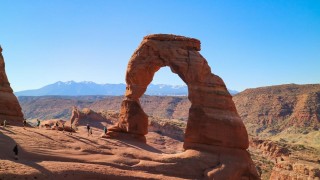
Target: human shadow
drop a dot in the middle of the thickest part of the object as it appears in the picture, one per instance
(43, 135)
(87, 139)
(7, 129)
(78, 138)
(134, 143)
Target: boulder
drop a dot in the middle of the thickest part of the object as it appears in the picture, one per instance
(88, 116)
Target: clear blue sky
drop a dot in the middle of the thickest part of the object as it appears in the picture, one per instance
(249, 43)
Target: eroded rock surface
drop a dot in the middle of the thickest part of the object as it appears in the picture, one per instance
(269, 148)
(213, 118)
(213, 124)
(10, 109)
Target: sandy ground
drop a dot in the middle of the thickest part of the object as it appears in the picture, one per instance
(51, 154)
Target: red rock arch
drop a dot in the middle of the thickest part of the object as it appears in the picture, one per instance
(213, 118)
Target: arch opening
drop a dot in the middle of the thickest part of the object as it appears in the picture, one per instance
(169, 83)
(167, 111)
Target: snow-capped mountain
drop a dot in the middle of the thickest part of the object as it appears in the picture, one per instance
(72, 88)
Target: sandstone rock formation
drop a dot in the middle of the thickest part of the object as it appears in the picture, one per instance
(10, 109)
(269, 148)
(213, 118)
(50, 124)
(213, 122)
(87, 116)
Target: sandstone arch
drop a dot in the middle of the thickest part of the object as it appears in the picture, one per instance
(213, 118)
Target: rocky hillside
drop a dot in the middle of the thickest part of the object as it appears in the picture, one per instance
(57, 107)
(53, 107)
(266, 110)
(273, 109)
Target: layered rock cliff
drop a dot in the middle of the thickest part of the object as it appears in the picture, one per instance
(273, 109)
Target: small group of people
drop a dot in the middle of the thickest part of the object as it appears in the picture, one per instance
(89, 130)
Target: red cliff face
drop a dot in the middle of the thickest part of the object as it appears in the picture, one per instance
(10, 109)
(213, 124)
(280, 107)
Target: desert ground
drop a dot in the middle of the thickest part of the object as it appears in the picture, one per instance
(52, 154)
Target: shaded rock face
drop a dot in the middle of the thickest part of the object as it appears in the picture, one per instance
(10, 109)
(213, 118)
(87, 116)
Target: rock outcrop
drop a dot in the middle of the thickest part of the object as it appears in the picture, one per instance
(295, 170)
(87, 116)
(10, 109)
(213, 124)
(52, 124)
(269, 148)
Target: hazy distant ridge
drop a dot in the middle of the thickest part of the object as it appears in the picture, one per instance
(72, 88)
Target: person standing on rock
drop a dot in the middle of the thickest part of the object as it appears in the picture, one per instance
(105, 130)
(5, 123)
(88, 129)
(24, 123)
(57, 125)
(70, 129)
(38, 123)
(16, 151)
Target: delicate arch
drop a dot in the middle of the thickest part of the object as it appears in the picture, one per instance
(213, 118)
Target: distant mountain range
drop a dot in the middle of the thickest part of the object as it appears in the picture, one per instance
(72, 88)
